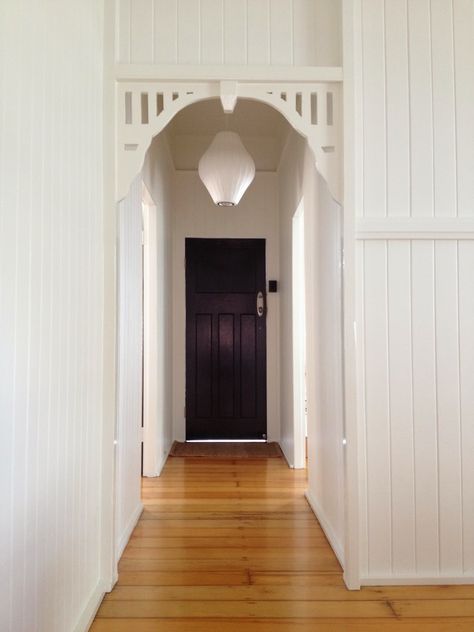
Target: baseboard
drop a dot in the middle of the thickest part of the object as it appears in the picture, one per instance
(132, 523)
(161, 464)
(91, 607)
(164, 458)
(326, 527)
(416, 580)
(285, 456)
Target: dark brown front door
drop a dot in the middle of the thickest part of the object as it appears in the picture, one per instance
(225, 339)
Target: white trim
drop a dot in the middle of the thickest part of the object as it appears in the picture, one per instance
(132, 523)
(415, 228)
(159, 465)
(282, 447)
(150, 284)
(299, 336)
(352, 200)
(333, 540)
(90, 609)
(108, 562)
(417, 580)
(157, 72)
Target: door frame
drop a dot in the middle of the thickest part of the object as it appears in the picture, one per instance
(119, 170)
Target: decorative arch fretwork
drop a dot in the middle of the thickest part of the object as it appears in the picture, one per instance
(144, 109)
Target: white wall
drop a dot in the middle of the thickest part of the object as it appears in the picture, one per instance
(195, 215)
(414, 95)
(237, 32)
(298, 180)
(129, 366)
(158, 174)
(51, 287)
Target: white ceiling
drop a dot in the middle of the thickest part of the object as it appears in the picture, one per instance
(262, 129)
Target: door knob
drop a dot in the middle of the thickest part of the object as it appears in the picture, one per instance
(260, 304)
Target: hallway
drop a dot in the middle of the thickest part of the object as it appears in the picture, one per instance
(226, 545)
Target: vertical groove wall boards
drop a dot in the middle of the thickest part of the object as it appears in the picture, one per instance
(165, 32)
(235, 32)
(444, 113)
(418, 90)
(400, 380)
(425, 414)
(419, 379)
(397, 109)
(129, 374)
(374, 108)
(421, 109)
(464, 98)
(212, 32)
(414, 291)
(51, 293)
(466, 370)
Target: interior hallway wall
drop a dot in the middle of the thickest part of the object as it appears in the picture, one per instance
(129, 365)
(231, 32)
(195, 215)
(158, 176)
(51, 313)
(414, 90)
(298, 180)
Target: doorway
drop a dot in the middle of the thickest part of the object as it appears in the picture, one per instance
(225, 339)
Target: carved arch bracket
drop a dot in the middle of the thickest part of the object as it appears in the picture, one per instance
(144, 109)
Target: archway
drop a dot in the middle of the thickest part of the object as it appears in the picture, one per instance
(299, 107)
(145, 109)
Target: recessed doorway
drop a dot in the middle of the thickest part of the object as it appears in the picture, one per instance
(225, 339)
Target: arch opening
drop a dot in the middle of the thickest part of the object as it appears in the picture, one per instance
(313, 110)
(286, 177)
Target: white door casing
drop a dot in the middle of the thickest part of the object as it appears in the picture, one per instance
(314, 108)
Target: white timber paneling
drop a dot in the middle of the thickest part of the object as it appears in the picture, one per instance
(212, 40)
(158, 176)
(165, 30)
(232, 32)
(141, 30)
(418, 380)
(258, 32)
(418, 90)
(415, 325)
(466, 397)
(300, 184)
(51, 314)
(463, 19)
(129, 366)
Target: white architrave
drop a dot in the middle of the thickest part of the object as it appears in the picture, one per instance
(145, 108)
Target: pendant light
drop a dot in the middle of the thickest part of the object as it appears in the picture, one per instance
(226, 169)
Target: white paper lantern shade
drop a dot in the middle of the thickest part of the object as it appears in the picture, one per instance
(226, 169)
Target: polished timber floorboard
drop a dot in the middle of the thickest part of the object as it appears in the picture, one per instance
(231, 545)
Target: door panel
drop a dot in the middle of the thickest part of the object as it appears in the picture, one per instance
(225, 339)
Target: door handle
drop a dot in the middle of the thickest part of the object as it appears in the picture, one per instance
(260, 304)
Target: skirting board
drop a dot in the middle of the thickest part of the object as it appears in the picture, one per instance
(90, 609)
(161, 464)
(404, 580)
(282, 446)
(326, 527)
(132, 523)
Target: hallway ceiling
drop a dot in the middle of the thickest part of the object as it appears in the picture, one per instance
(262, 129)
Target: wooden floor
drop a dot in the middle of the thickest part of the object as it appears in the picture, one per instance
(227, 545)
